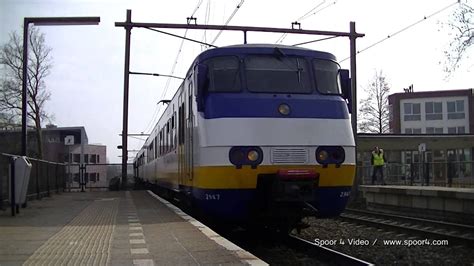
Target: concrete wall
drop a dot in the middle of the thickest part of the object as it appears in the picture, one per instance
(451, 204)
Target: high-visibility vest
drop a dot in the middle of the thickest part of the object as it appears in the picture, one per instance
(378, 158)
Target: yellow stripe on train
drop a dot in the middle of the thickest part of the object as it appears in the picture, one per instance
(228, 177)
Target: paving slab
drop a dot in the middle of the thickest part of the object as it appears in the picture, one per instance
(111, 228)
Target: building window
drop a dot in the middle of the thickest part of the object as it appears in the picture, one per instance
(434, 110)
(93, 158)
(456, 130)
(76, 177)
(456, 110)
(434, 130)
(98, 177)
(92, 177)
(412, 130)
(76, 158)
(86, 158)
(98, 158)
(412, 111)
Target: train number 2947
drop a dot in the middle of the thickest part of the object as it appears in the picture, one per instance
(213, 196)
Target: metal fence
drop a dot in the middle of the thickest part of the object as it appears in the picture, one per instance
(455, 174)
(95, 176)
(45, 178)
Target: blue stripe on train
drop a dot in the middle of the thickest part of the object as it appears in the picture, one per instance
(235, 204)
(218, 105)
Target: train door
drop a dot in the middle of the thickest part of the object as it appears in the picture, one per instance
(189, 131)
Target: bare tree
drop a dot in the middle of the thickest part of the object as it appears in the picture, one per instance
(39, 65)
(462, 24)
(374, 111)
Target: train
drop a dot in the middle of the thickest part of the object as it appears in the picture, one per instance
(256, 133)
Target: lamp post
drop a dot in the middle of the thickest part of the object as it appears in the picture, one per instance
(42, 21)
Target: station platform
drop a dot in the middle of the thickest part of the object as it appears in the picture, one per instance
(445, 203)
(111, 228)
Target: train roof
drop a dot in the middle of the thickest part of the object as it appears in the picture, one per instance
(262, 49)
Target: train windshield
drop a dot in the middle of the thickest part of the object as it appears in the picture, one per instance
(224, 74)
(326, 75)
(277, 74)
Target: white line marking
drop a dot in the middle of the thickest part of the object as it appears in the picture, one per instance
(143, 262)
(137, 228)
(139, 251)
(134, 224)
(137, 241)
(136, 234)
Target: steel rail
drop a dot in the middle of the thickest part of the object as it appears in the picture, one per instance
(456, 226)
(419, 228)
(324, 253)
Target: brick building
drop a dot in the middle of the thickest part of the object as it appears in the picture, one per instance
(55, 150)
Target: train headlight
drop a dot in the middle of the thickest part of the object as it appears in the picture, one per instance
(284, 109)
(330, 155)
(246, 155)
(252, 155)
(237, 156)
(322, 156)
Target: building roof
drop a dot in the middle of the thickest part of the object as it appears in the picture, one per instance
(52, 129)
(431, 94)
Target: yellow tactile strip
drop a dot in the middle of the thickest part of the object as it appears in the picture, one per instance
(86, 240)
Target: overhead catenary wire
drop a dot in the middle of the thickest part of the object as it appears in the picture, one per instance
(179, 53)
(237, 8)
(168, 81)
(307, 15)
(206, 21)
(402, 30)
(134, 137)
(182, 37)
(283, 36)
(318, 40)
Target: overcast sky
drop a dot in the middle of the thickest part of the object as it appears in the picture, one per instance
(86, 81)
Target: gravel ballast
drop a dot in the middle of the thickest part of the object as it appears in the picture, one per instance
(384, 247)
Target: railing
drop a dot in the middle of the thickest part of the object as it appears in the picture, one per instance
(96, 176)
(45, 178)
(454, 173)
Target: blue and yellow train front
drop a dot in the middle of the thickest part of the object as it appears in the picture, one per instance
(310, 159)
(273, 134)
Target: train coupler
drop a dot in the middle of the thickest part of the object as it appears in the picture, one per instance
(294, 185)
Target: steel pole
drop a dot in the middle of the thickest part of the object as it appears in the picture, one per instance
(24, 97)
(126, 74)
(352, 38)
(353, 79)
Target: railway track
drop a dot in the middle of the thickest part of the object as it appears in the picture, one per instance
(330, 256)
(300, 249)
(457, 233)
